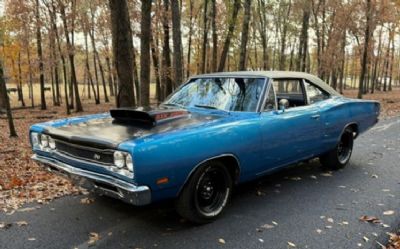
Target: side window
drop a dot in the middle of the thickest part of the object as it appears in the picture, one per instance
(314, 93)
(290, 89)
(270, 103)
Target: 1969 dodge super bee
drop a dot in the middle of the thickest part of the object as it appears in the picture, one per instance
(215, 131)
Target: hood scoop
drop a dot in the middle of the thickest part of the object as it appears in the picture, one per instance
(143, 117)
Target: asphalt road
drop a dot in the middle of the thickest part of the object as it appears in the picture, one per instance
(301, 205)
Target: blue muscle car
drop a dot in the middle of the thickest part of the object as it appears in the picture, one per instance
(215, 131)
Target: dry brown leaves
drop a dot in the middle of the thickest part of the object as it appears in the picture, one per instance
(394, 241)
(23, 181)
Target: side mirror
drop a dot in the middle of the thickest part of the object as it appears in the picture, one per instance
(283, 104)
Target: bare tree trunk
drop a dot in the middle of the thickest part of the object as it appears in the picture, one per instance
(20, 92)
(135, 74)
(386, 65)
(283, 39)
(245, 35)
(303, 46)
(122, 50)
(342, 60)
(145, 27)
(391, 61)
(110, 78)
(53, 19)
(156, 67)
(205, 35)
(177, 41)
(6, 101)
(39, 51)
(263, 32)
(231, 28)
(214, 36)
(89, 74)
(376, 62)
(364, 61)
(166, 61)
(190, 38)
(70, 46)
(28, 52)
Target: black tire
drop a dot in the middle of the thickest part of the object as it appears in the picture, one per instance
(204, 198)
(340, 155)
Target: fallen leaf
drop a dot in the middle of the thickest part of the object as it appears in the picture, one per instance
(21, 223)
(388, 212)
(87, 200)
(327, 174)
(261, 240)
(275, 223)
(371, 219)
(328, 227)
(374, 176)
(260, 193)
(4, 225)
(365, 239)
(93, 238)
(28, 209)
(31, 239)
(222, 241)
(291, 244)
(313, 177)
(267, 226)
(385, 190)
(319, 231)
(330, 220)
(295, 178)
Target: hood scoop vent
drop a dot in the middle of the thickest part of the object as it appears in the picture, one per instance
(150, 117)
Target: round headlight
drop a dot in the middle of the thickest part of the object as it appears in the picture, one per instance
(119, 159)
(129, 162)
(52, 143)
(44, 141)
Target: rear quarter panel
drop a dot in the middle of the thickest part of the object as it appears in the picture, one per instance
(339, 112)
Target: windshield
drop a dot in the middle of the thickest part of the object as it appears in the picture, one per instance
(228, 94)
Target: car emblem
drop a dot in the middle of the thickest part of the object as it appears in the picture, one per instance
(96, 156)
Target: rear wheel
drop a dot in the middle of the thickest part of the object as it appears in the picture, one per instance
(206, 194)
(340, 155)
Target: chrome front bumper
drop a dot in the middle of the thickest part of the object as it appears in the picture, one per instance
(98, 183)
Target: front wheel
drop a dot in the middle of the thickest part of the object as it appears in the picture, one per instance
(206, 194)
(340, 155)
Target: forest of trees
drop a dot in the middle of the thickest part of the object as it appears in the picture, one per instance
(140, 51)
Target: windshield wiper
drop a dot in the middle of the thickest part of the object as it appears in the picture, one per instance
(208, 107)
(173, 104)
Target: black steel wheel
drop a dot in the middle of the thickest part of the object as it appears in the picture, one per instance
(205, 196)
(340, 155)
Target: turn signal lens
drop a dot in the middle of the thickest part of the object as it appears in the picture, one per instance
(129, 162)
(52, 143)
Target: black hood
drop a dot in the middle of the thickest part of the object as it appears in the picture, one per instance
(125, 124)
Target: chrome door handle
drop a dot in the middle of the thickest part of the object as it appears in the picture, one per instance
(316, 116)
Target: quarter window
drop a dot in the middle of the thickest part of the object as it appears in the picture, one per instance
(314, 93)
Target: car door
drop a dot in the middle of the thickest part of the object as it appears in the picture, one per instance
(292, 134)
